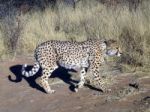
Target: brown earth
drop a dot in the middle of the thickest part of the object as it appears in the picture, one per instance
(129, 93)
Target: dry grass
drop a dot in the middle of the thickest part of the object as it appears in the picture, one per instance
(88, 20)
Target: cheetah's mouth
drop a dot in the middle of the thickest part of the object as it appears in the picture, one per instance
(113, 53)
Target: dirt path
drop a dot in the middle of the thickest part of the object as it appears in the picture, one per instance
(22, 95)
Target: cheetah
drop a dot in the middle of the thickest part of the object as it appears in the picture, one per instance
(80, 56)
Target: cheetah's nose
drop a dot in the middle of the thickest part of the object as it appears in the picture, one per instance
(119, 54)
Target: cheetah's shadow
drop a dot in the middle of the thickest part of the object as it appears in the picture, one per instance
(60, 73)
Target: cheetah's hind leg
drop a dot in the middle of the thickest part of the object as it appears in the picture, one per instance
(43, 80)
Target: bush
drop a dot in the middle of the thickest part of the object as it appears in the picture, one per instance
(90, 19)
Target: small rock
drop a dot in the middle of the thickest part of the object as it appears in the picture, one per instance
(31, 101)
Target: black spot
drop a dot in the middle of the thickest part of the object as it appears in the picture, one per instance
(134, 85)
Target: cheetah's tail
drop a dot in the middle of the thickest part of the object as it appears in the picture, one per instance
(32, 72)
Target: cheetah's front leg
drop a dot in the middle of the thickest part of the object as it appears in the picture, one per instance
(97, 80)
(82, 79)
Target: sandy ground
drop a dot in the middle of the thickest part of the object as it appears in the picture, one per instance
(130, 93)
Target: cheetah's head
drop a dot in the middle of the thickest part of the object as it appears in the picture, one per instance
(112, 48)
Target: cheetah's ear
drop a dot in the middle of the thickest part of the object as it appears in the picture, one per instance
(104, 45)
(109, 42)
(105, 41)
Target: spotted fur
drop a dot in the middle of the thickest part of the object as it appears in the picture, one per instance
(71, 55)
